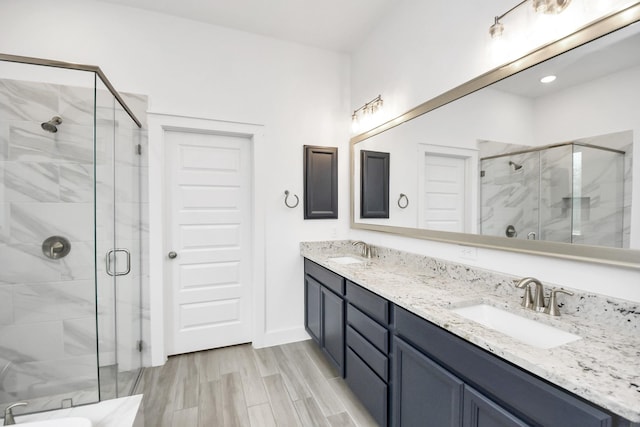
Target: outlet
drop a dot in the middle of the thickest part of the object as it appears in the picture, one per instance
(469, 253)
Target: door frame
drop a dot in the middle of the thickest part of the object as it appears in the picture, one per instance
(159, 235)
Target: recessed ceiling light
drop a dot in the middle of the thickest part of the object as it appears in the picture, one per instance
(547, 79)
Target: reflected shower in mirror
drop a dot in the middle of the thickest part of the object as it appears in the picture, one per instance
(521, 159)
(571, 192)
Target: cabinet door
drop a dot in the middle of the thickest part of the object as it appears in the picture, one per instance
(333, 327)
(320, 182)
(479, 411)
(312, 308)
(424, 394)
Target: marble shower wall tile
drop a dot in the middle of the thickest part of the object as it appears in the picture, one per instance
(32, 223)
(24, 263)
(76, 105)
(30, 181)
(22, 100)
(44, 341)
(6, 306)
(76, 182)
(54, 377)
(53, 301)
(79, 336)
(4, 140)
(72, 143)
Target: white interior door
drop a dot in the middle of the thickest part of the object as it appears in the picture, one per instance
(209, 192)
(444, 193)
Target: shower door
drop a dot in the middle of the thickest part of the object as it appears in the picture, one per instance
(47, 265)
(69, 240)
(118, 243)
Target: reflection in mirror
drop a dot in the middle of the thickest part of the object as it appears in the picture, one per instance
(572, 192)
(374, 189)
(522, 158)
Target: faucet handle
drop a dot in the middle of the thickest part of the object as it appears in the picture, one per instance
(8, 413)
(552, 307)
(527, 299)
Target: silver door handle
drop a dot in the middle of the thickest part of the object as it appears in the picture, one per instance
(111, 253)
(172, 255)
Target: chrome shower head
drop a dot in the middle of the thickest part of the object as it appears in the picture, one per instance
(515, 165)
(52, 125)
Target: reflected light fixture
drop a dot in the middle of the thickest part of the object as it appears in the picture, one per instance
(548, 79)
(364, 113)
(541, 6)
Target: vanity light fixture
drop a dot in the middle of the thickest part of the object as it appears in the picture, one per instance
(542, 6)
(548, 79)
(367, 110)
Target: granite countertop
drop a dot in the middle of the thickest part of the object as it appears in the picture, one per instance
(603, 367)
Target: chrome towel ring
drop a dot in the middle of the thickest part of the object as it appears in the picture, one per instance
(286, 200)
(406, 201)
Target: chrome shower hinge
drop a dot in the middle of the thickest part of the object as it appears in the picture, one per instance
(139, 149)
(139, 346)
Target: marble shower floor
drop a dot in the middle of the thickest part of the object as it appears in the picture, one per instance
(288, 385)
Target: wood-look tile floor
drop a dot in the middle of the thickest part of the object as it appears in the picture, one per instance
(288, 385)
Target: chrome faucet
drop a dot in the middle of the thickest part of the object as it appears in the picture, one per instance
(8, 413)
(537, 303)
(367, 250)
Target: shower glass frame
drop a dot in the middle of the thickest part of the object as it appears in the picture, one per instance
(115, 184)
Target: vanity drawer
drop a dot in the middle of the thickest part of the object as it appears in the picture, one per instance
(365, 384)
(377, 361)
(328, 278)
(375, 333)
(372, 304)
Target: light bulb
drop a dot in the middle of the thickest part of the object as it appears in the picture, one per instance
(496, 29)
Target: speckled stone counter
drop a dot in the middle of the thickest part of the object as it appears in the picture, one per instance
(602, 367)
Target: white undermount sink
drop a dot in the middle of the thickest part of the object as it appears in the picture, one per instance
(59, 422)
(344, 260)
(525, 330)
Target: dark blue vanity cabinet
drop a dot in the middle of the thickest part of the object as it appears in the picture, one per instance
(495, 393)
(324, 311)
(368, 341)
(409, 372)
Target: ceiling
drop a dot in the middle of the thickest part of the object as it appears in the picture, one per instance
(339, 25)
(615, 52)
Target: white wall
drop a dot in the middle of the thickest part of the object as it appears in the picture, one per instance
(299, 94)
(426, 48)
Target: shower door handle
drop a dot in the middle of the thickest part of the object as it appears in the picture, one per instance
(112, 254)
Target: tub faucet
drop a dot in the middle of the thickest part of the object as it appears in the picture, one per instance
(8, 413)
(538, 298)
(367, 250)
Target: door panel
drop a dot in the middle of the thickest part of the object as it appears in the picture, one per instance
(444, 197)
(479, 411)
(423, 393)
(209, 190)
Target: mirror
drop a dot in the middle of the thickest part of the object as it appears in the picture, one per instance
(506, 161)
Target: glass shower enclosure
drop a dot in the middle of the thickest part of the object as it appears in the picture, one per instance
(70, 236)
(570, 193)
